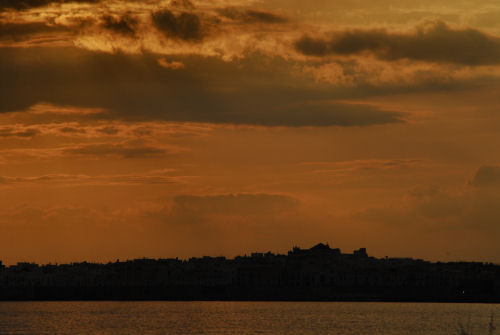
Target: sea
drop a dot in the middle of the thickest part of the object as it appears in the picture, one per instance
(158, 318)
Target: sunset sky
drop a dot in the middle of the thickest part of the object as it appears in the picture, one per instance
(221, 127)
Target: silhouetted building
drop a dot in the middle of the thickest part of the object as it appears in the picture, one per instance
(361, 253)
(318, 273)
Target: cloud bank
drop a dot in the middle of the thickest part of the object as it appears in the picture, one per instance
(433, 42)
(204, 90)
(27, 4)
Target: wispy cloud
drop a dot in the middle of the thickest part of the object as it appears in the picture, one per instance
(147, 178)
(119, 150)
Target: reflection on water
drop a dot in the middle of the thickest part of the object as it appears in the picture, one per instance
(242, 318)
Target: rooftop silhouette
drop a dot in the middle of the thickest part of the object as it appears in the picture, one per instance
(320, 273)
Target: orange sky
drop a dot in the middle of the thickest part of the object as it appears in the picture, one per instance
(186, 128)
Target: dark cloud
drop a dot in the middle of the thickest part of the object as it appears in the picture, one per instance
(121, 150)
(23, 31)
(322, 113)
(206, 90)
(488, 175)
(72, 130)
(252, 16)
(263, 16)
(12, 132)
(182, 4)
(109, 130)
(27, 4)
(434, 42)
(124, 25)
(184, 26)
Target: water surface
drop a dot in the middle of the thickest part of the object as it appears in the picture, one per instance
(144, 318)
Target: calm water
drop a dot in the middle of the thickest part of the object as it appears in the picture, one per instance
(143, 318)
